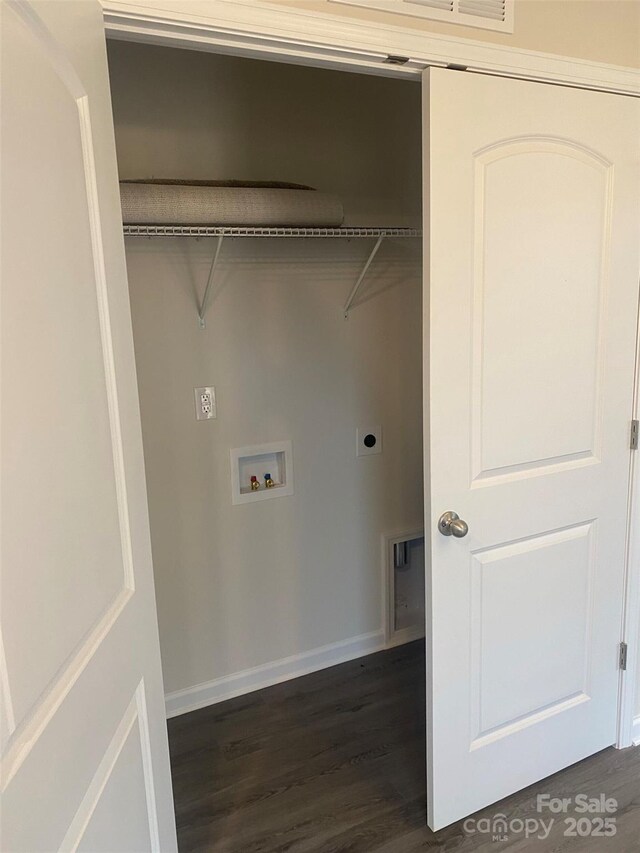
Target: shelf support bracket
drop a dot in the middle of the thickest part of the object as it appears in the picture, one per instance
(202, 308)
(356, 286)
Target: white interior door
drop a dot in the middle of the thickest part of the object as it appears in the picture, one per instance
(532, 269)
(84, 747)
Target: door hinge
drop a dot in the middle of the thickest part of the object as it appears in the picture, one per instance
(622, 659)
(635, 431)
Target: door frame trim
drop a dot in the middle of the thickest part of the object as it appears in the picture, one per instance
(255, 29)
(628, 719)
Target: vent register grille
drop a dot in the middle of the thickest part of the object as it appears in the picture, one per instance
(493, 9)
(488, 14)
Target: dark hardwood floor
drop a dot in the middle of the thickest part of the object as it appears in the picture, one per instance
(334, 761)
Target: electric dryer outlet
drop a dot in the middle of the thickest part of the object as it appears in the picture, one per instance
(369, 440)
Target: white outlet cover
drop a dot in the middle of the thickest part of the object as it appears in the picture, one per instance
(205, 399)
(369, 440)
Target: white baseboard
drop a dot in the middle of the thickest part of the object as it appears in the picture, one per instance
(635, 732)
(247, 680)
(405, 635)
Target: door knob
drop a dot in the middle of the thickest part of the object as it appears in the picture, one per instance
(450, 524)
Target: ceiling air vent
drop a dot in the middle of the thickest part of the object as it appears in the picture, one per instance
(488, 14)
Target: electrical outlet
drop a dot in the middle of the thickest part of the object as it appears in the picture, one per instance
(205, 403)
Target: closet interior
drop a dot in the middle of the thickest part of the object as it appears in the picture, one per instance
(283, 347)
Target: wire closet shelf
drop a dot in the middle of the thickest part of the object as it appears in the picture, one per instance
(263, 231)
(222, 231)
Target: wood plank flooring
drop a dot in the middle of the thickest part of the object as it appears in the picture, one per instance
(334, 761)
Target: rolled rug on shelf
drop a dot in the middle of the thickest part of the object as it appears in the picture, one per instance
(227, 203)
